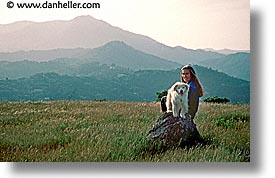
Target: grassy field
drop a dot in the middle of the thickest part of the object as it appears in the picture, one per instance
(115, 131)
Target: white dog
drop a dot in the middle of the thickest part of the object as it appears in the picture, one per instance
(177, 99)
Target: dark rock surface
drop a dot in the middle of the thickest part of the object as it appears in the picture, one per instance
(174, 131)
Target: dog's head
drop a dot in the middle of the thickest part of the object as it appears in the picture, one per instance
(181, 88)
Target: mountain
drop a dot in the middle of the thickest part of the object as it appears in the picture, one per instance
(88, 32)
(137, 86)
(237, 65)
(121, 54)
(86, 59)
(114, 56)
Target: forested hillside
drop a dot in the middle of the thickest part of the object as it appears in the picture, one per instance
(128, 86)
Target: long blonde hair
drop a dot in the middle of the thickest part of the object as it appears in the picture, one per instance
(193, 78)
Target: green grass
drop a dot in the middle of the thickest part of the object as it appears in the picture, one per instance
(115, 131)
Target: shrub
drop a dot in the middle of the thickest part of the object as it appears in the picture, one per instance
(161, 94)
(216, 99)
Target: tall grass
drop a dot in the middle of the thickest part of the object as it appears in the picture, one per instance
(115, 131)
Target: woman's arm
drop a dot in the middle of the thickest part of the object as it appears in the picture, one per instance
(193, 99)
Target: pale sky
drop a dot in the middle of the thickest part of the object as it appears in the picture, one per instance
(192, 24)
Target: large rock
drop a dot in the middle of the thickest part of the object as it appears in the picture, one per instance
(174, 131)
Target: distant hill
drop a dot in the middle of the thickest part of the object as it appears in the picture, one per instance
(237, 65)
(133, 86)
(88, 32)
(115, 55)
(226, 51)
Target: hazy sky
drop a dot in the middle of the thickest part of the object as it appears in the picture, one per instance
(192, 24)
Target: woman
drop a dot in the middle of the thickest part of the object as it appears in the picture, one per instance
(188, 75)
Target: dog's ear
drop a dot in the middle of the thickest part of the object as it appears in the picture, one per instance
(175, 87)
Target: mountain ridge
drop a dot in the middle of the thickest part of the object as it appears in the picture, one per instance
(115, 53)
(118, 52)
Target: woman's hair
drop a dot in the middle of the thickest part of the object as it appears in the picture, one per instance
(193, 78)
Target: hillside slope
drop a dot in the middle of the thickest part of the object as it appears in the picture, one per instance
(236, 65)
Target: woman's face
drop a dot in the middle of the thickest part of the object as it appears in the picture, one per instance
(186, 75)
